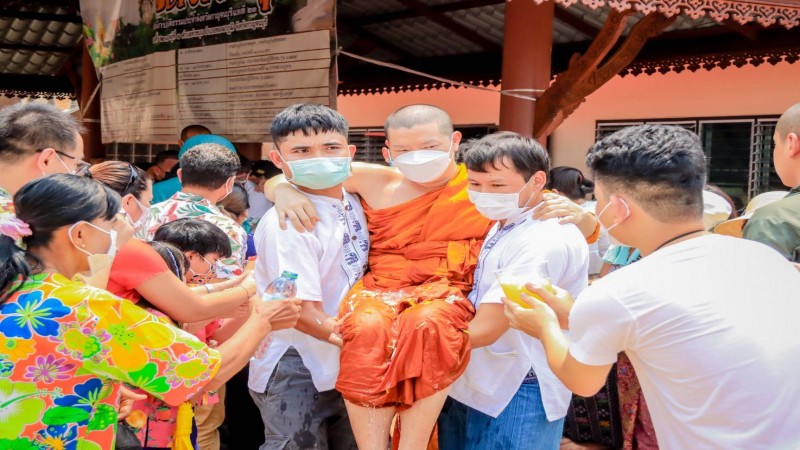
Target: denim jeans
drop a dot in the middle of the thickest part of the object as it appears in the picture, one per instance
(522, 425)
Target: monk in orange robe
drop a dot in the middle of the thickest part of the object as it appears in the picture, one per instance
(403, 325)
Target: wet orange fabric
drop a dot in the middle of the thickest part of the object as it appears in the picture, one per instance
(404, 336)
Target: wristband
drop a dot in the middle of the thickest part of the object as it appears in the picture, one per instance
(208, 287)
(245, 290)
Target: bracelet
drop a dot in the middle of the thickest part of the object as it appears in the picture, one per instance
(208, 287)
(245, 290)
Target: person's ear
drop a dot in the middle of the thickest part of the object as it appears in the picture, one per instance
(793, 145)
(352, 149)
(276, 159)
(457, 136)
(77, 235)
(539, 180)
(620, 206)
(180, 175)
(386, 154)
(43, 159)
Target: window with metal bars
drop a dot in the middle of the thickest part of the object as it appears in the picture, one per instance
(140, 154)
(738, 151)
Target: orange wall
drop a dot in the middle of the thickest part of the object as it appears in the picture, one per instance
(465, 106)
(763, 90)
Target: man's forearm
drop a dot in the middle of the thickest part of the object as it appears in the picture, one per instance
(270, 186)
(314, 322)
(556, 346)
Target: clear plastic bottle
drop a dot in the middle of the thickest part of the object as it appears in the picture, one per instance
(283, 287)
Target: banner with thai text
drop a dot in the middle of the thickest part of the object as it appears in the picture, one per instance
(229, 65)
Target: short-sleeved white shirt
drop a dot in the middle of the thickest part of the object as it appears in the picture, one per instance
(547, 250)
(711, 327)
(318, 258)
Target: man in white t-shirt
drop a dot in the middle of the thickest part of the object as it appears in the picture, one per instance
(513, 401)
(293, 382)
(709, 322)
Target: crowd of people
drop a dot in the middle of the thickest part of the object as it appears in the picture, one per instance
(465, 296)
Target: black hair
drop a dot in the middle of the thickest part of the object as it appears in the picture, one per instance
(245, 165)
(123, 177)
(309, 119)
(194, 235)
(208, 166)
(237, 202)
(196, 129)
(26, 128)
(570, 182)
(662, 167)
(165, 155)
(526, 155)
(41, 204)
(265, 169)
(176, 261)
(420, 114)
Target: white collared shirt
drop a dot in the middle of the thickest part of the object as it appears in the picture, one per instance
(495, 373)
(325, 273)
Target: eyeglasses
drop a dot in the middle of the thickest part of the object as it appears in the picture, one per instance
(81, 167)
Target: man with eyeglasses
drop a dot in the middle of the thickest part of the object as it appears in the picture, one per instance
(36, 140)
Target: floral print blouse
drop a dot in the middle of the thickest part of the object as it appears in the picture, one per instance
(182, 206)
(65, 346)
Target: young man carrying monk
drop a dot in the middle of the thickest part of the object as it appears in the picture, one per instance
(403, 327)
(293, 382)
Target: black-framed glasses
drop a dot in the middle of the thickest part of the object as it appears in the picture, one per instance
(81, 167)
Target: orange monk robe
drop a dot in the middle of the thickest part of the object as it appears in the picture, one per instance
(404, 327)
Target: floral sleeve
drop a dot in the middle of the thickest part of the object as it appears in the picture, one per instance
(136, 347)
(234, 265)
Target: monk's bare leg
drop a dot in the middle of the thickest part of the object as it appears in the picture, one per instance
(418, 421)
(371, 426)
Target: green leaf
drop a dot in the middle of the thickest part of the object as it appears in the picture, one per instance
(17, 444)
(159, 385)
(87, 445)
(104, 416)
(62, 415)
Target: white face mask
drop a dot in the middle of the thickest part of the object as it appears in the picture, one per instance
(143, 218)
(99, 263)
(496, 206)
(611, 237)
(423, 166)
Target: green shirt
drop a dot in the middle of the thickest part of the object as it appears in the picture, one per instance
(778, 225)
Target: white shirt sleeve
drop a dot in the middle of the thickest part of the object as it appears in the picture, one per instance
(600, 327)
(300, 253)
(542, 258)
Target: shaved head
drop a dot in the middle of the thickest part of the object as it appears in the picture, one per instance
(789, 122)
(413, 115)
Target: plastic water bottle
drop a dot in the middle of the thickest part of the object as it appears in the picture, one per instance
(283, 287)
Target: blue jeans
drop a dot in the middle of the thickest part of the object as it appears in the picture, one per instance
(522, 425)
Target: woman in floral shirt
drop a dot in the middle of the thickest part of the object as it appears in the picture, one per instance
(65, 346)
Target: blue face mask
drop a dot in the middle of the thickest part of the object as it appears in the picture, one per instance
(319, 173)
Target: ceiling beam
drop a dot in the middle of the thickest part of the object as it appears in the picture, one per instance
(747, 31)
(45, 17)
(35, 48)
(576, 22)
(410, 14)
(363, 34)
(437, 17)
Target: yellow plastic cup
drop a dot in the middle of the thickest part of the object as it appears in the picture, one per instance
(512, 281)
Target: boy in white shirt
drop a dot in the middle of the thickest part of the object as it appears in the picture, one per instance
(293, 382)
(513, 400)
(709, 322)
